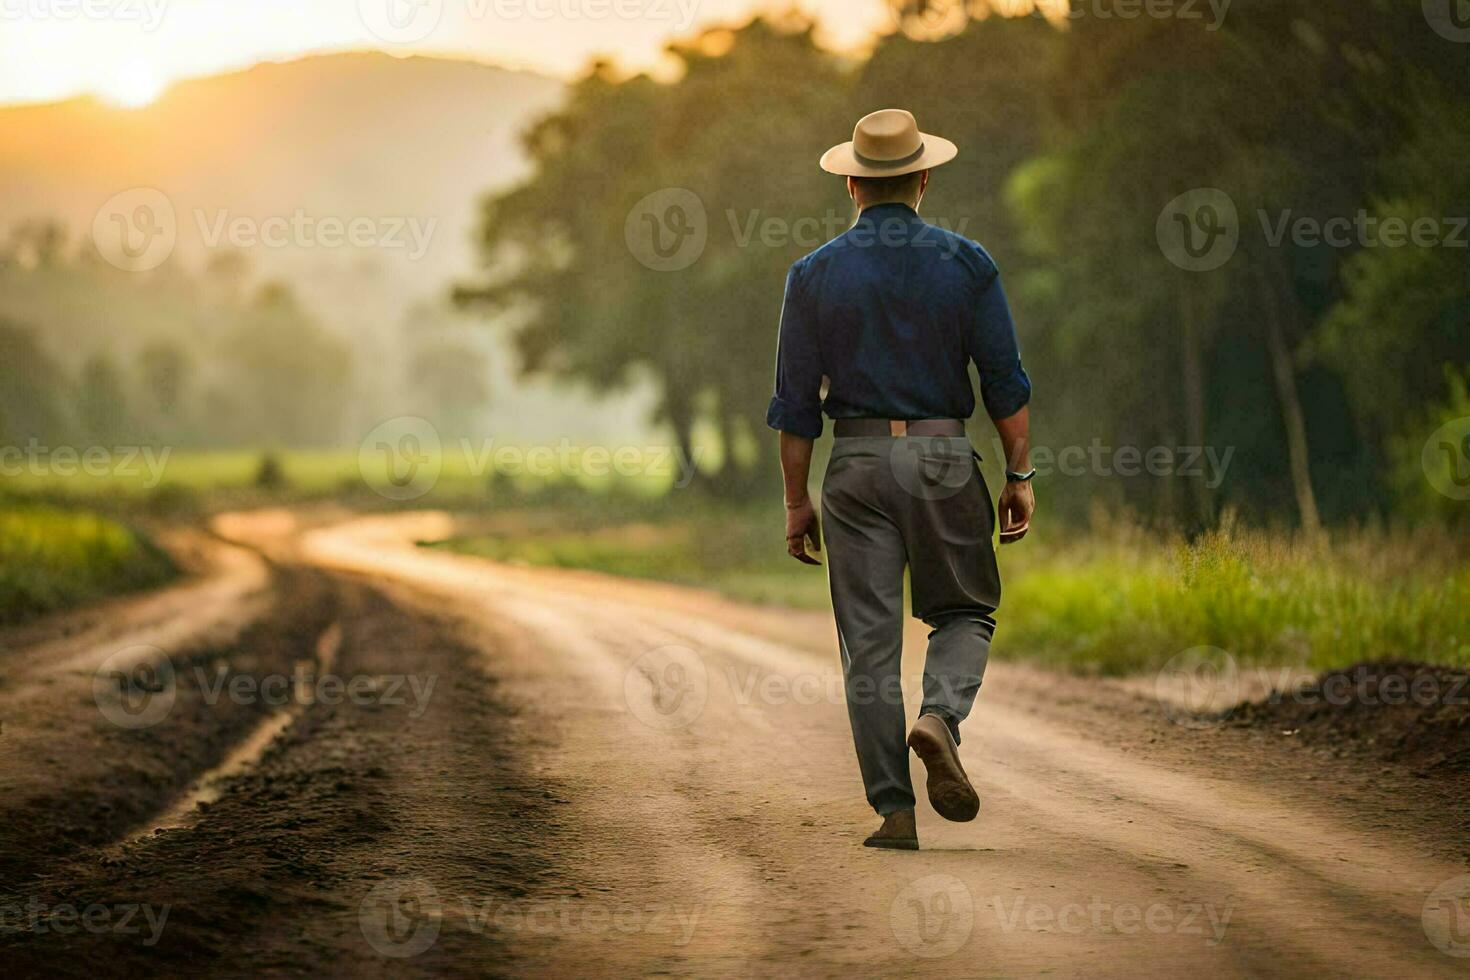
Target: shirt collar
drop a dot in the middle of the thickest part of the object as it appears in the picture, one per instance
(875, 212)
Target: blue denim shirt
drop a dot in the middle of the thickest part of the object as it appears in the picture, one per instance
(892, 311)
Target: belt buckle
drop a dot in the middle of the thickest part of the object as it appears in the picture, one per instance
(898, 427)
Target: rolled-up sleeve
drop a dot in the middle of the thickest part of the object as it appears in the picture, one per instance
(1004, 387)
(797, 405)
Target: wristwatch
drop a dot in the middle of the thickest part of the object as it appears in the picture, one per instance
(1013, 477)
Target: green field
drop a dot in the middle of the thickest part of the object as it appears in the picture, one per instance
(215, 479)
(51, 558)
(1105, 600)
(1108, 601)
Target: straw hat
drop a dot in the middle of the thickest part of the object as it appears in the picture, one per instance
(887, 143)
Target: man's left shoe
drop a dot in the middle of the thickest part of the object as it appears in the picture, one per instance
(949, 788)
(898, 833)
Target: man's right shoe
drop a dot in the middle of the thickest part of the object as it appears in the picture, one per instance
(950, 791)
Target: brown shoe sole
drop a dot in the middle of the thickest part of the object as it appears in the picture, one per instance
(950, 792)
(893, 843)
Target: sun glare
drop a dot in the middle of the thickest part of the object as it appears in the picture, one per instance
(134, 87)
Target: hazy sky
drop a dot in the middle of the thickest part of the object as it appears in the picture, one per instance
(126, 50)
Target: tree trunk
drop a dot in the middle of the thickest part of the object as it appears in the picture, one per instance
(1202, 509)
(680, 416)
(1283, 371)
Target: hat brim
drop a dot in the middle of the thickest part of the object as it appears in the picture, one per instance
(842, 159)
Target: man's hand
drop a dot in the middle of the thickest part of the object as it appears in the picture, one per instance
(801, 520)
(1017, 504)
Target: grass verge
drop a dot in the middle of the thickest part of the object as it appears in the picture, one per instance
(51, 558)
(1109, 601)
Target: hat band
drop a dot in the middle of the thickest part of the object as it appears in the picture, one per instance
(880, 164)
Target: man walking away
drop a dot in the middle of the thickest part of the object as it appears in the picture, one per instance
(891, 313)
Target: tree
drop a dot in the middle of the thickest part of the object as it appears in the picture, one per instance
(288, 379)
(31, 386)
(102, 403)
(741, 131)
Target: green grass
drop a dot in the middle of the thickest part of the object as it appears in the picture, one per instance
(1122, 602)
(1110, 601)
(206, 480)
(733, 553)
(51, 558)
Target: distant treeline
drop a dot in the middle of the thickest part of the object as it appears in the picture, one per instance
(92, 355)
(1321, 354)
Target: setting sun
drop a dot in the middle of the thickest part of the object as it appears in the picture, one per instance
(134, 87)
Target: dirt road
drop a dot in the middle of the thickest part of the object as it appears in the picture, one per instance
(474, 769)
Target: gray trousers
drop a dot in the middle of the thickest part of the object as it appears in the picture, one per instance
(919, 502)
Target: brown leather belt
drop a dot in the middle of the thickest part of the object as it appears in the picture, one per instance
(844, 428)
